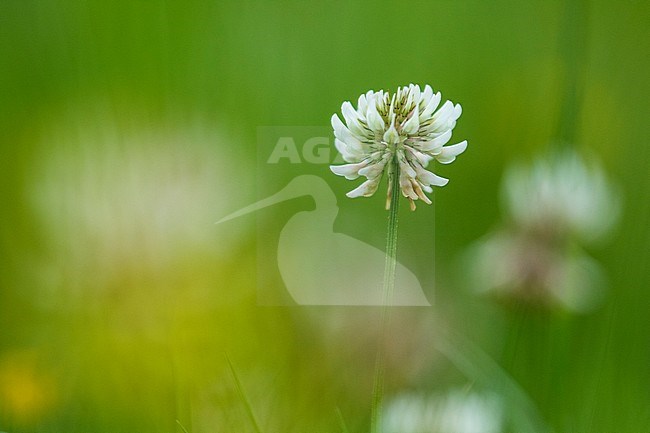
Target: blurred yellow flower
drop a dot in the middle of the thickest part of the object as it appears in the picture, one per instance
(27, 393)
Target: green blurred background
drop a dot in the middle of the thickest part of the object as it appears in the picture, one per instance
(129, 127)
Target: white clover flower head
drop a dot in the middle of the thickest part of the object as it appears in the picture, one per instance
(554, 207)
(408, 127)
(562, 193)
(457, 411)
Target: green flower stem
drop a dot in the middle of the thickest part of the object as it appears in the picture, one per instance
(391, 238)
(389, 285)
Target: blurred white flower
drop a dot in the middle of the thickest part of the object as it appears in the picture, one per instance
(553, 207)
(510, 263)
(458, 411)
(127, 209)
(561, 194)
(408, 126)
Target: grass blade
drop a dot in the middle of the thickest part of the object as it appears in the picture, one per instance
(242, 396)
